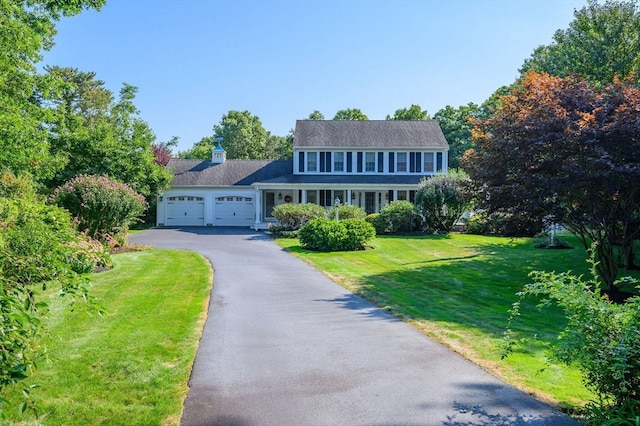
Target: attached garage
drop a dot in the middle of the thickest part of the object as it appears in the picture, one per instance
(185, 211)
(234, 211)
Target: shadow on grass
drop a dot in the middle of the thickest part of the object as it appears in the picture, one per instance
(473, 286)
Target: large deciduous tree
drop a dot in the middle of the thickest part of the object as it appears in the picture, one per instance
(350, 114)
(568, 150)
(243, 136)
(414, 112)
(602, 42)
(27, 28)
(94, 134)
(456, 128)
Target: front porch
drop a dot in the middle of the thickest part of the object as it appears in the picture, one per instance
(371, 200)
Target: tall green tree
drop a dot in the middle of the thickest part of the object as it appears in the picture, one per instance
(414, 112)
(567, 150)
(316, 115)
(243, 136)
(602, 42)
(94, 134)
(456, 128)
(28, 28)
(350, 114)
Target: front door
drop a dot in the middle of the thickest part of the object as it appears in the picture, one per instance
(370, 202)
(269, 204)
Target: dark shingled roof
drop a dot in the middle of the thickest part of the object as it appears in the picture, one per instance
(369, 134)
(231, 172)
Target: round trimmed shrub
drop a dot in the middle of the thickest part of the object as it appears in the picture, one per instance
(322, 234)
(399, 216)
(346, 211)
(292, 216)
(376, 221)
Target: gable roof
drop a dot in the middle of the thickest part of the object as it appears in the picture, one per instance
(231, 172)
(369, 134)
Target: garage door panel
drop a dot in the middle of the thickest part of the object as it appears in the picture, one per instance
(185, 211)
(234, 211)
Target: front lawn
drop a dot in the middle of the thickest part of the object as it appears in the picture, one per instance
(131, 365)
(458, 289)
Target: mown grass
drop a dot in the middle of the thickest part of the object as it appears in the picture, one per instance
(131, 365)
(458, 289)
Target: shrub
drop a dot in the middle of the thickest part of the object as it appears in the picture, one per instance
(504, 224)
(441, 200)
(346, 211)
(103, 207)
(399, 216)
(293, 216)
(601, 337)
(322, 234)
(376, 221)
(39, 245)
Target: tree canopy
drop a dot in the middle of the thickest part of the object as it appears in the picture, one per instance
(243, 137)
(414, 112)
(456, 128)
(350, 114)
(28, 27)
(568, 150)
(602, 42)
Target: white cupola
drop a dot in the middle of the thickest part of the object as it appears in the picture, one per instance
(218, 155)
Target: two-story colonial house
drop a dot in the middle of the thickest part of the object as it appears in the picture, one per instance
(363, 163)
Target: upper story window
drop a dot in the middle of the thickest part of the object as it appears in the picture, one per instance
(338, 162)
(370, 162)
(402, 162)
(312, 161)
(325, 162)
(428, 162)
(415, 160)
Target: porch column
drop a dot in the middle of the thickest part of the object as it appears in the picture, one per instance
(395, 195)
(304, 196)
(258, 206)
(348, 196)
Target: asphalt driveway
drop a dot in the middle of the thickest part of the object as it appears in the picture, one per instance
(284, 345)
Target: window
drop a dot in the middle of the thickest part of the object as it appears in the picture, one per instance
(338, 162)
(380, 162)
(415, 158)
(339, 195)
(312, 197)
(312, 161)
(325, 198)
(301, 162)
(402, 162)
(325, 162)
(428, 162)
(370, 162)
(349, 162)
(402, 195)
(391, 162)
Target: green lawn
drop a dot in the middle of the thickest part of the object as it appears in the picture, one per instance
(458, 289)
(131, 365)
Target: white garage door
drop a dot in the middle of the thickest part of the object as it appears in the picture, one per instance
(234, 211)
(185, 211)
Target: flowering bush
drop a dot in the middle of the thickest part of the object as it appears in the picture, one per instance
(102, 206)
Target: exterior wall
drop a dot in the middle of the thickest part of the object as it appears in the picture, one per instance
(385, 161)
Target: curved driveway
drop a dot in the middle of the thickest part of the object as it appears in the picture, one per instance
(284, 345)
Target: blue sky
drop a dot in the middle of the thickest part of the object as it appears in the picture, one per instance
(194, 60)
